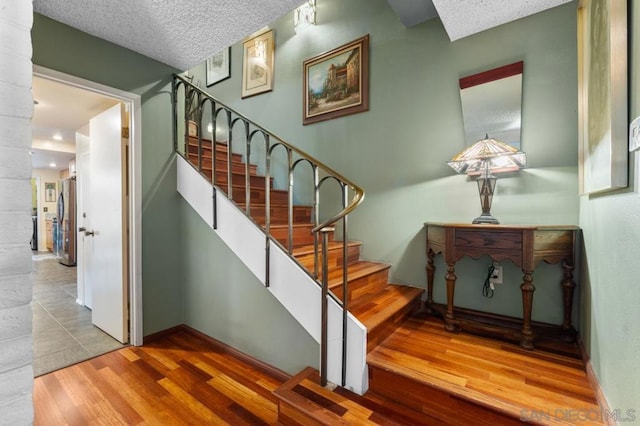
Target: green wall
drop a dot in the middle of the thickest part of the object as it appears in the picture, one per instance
(397, 151)
(179, 251)
(62, 48)
(222, 298)
(611, 225)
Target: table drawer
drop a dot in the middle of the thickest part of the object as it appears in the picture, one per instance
(485, 239)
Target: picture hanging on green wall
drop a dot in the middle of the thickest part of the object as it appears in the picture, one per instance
(602, 95)
(336, 83)
(218, 67)
(257, 64)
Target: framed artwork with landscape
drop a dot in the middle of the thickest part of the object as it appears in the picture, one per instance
(257, 64)
(602, 95)
(336, 83)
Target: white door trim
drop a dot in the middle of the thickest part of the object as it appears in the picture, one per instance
(134, 102)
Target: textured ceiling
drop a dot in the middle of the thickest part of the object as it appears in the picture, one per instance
(180, 33)
(465, 17)
(183, 33)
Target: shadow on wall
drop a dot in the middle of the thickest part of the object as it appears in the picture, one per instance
(584, 298)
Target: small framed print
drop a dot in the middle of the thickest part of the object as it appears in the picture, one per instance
(50, 192)
(257, 64)
(218, 67)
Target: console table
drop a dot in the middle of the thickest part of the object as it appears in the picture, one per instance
(525, 246)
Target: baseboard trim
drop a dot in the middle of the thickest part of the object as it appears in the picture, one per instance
(222, 347)
(162, 334)
(595, 384)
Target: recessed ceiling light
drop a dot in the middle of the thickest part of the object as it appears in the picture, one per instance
(57, 137)
(52, 164)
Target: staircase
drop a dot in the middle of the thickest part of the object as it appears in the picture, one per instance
(414, 371)
(378, 304)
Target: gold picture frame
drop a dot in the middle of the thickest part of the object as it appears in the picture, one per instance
(336, 83)
(258, 64)
(602, 95)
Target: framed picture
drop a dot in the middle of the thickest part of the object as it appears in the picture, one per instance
(257, 64)
(50, 192)
(218, 67)
(336, 83)
(602, 95)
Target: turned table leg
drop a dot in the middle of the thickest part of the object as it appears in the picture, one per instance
(431, 269)
(567, 296)
(450, 277)
(527, 288)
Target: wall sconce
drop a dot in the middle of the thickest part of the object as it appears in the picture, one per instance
(483, 158)
(304, 16)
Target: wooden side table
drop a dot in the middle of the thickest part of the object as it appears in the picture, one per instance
(525, 246)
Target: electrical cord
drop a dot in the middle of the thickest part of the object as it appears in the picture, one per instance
(487, 291)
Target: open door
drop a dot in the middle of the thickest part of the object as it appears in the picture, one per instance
(85, 243)
(105, 256)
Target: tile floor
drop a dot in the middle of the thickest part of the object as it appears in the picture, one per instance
(62, 331)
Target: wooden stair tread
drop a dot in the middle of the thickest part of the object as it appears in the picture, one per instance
(304, 394)
(272, 204)
(380, 306)
(485, 373)
(308, 249)
(358, 269)
(193, 140)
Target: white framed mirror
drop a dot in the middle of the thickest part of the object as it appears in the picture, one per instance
(492, 104)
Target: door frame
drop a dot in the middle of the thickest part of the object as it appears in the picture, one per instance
(134, 103)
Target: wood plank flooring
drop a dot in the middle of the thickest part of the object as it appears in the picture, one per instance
(433, 370)
(420, 375)
(179, 379)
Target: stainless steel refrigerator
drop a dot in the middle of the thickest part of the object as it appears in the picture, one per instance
(66, 241)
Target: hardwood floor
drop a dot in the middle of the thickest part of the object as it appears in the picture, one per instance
(420, 375)
(179, 379)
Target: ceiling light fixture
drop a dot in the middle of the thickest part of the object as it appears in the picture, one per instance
(304, 16)
(57, 137)
(52, 164)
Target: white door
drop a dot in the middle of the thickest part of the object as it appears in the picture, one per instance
(106, 262)
(85, 243)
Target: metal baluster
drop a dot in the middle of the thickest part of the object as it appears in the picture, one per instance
(345, 284)
(323, 308)
(267, 206)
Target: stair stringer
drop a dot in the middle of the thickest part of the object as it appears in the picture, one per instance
(288, 283)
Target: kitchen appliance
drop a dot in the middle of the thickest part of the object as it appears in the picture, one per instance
(66, 244)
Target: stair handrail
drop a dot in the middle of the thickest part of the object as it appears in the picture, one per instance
(359, 192)
(319, 228)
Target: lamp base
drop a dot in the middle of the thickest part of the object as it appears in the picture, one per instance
(485, 218)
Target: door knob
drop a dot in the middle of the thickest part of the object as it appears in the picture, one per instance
(82, 229)
(89, 233)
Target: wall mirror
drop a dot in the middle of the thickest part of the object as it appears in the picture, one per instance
(491, 104)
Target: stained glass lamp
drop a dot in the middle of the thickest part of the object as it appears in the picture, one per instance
(482, 159)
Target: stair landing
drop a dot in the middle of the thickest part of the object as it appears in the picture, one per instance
(303, 401)
(458, 378)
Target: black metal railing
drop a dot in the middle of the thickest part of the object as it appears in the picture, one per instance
(193, 110)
